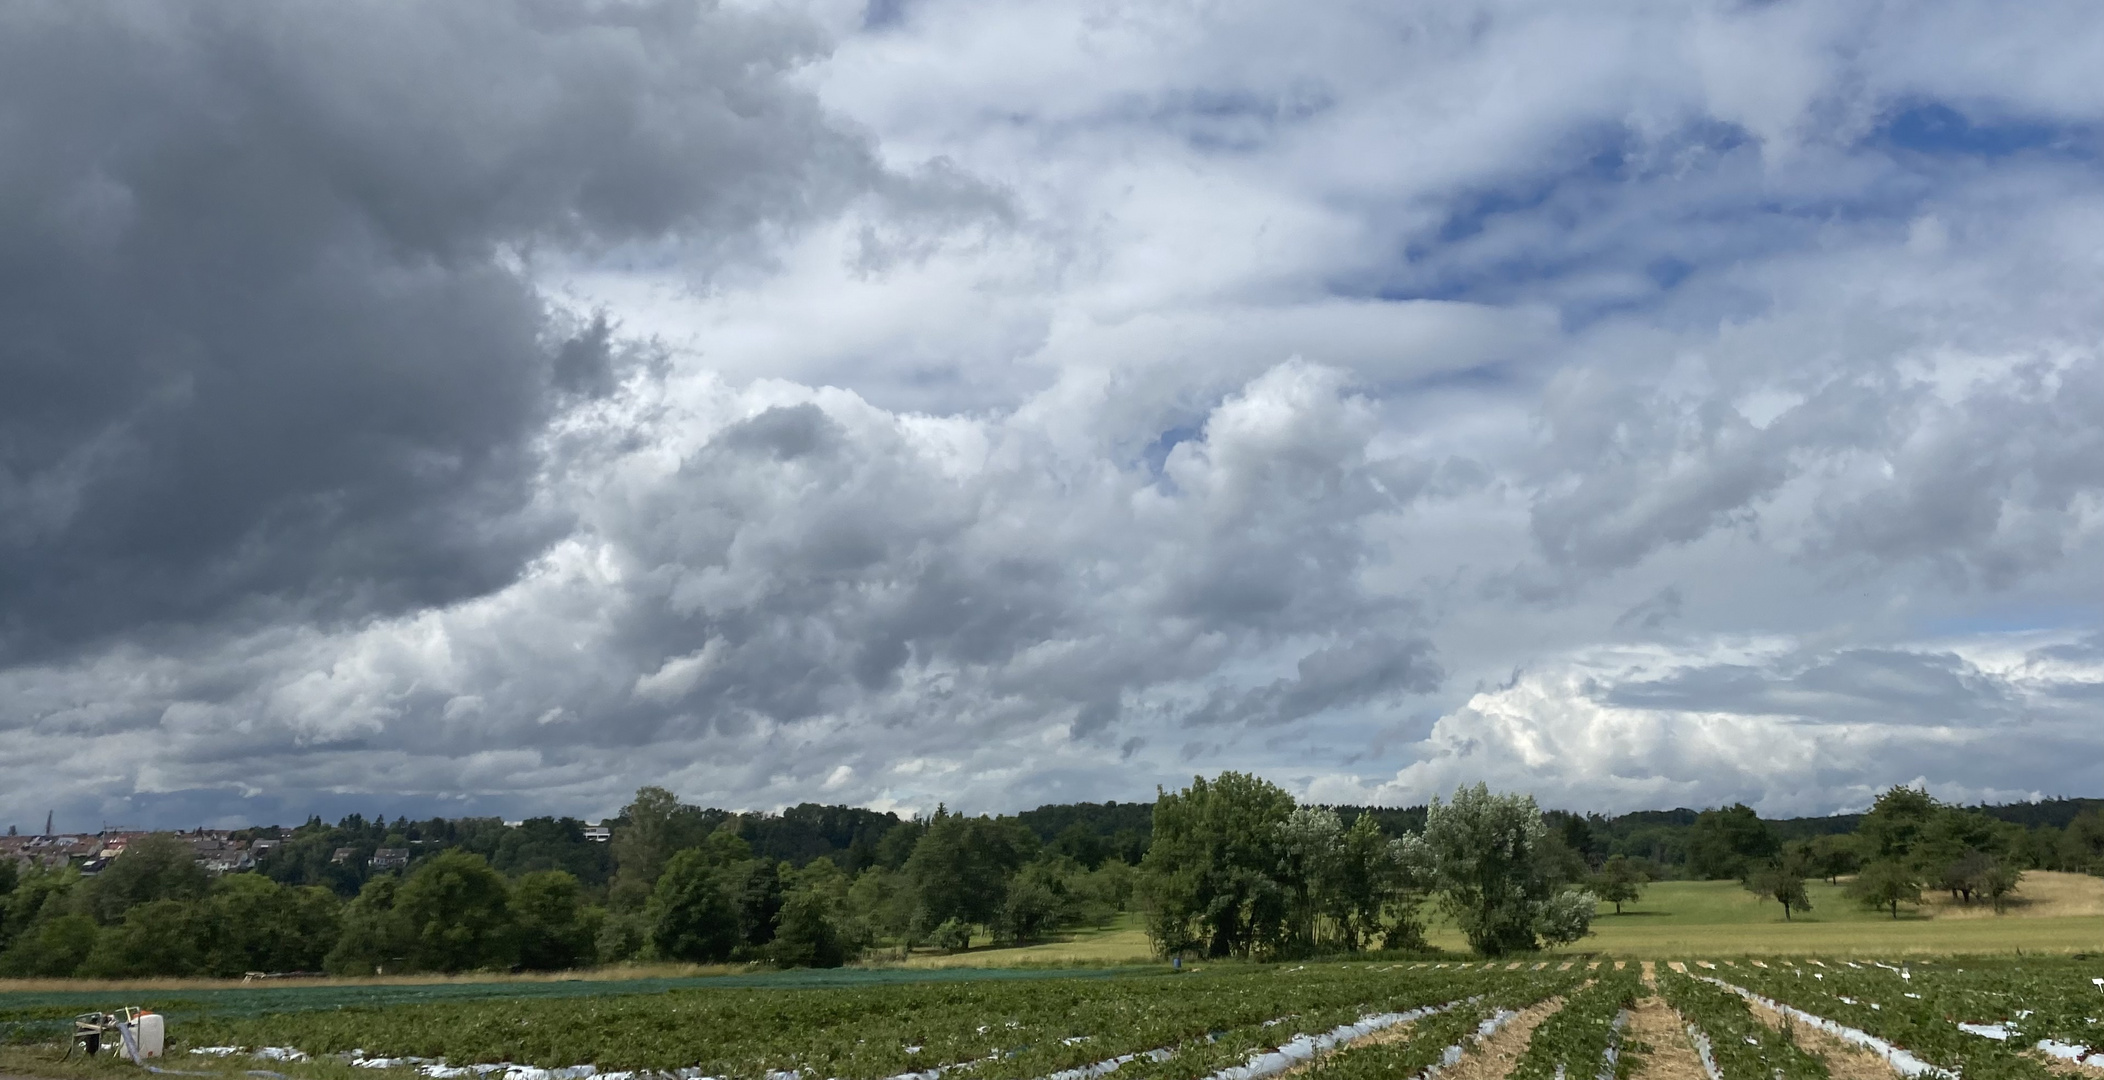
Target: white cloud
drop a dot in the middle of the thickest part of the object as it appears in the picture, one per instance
(1638, 405)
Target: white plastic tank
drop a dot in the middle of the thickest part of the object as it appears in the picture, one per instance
(147, 1034)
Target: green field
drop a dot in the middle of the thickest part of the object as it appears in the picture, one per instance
(1006, 1028)
(1149, 1024)
(1705, 918)
(1089, 982)
(1710, 918)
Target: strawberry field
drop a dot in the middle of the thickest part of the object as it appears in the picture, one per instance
(1977, 1017)
(2013, 1018)
(1180, 1026)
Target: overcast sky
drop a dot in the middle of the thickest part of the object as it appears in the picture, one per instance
(493, 407)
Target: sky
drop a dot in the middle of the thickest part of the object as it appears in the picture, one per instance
(492, 408)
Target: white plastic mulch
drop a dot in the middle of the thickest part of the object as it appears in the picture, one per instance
(1293, 1052)
(1902, 1059)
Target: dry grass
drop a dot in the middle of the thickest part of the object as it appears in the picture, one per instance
(2045, 894)
(1667, 1054)
(1493, 1058)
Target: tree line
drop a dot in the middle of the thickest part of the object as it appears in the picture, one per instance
(676, 883)
(1231, 866)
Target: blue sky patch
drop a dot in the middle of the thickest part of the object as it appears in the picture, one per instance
(1938, 130)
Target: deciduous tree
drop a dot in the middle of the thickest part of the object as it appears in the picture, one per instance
(1886, 884)
(1620, 881)
(1209, 873)
(1486, 851)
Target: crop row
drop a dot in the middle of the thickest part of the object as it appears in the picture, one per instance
(986, 1030)
(1438, 1040)
(1907, 1012)
(28, 1016)
(2056, 1000)
(1573, 1042)
(1740, 1047)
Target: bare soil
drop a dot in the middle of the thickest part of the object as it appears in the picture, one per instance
(2063, 1066)
(1398, 1033)
(1493, 1058)
(1668, 1055)
(1846, 1060)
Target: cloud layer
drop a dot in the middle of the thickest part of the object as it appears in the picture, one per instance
(495, 409)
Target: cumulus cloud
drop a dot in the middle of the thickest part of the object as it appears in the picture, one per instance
(1786, 730)
(493, 409)
(272, 345)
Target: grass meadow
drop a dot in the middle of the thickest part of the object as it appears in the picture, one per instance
(2054, 912)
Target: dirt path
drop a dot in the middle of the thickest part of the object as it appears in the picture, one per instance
(1668, 1055)
(2065, 1067)
(1398, 1033)
(1494, 1057)
(1844, 1059)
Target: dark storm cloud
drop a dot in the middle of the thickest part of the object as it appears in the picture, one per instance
(1872, 686)
(1369, 669)
(266, 340)
(1232, 380)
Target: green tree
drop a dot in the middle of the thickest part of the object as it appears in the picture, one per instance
(556, 930)
(625, 936)
(952, 935)
(1782, 879)
(2084, 841)
(1485, 851)
(960, 867)
(547, 843)
(882, 899)
(1102, 893)
(1565, 916)
(695, 919)
(808, 935)
(1373, 892)
(1083, 845)
(1833, 856)
(158, 937)
(257, 924)
(1038, 900)
(1620, 881)
(650, 831)
(816, 927)
(1310, 852)
(37, 895)
(10, 876)
(1886, 884)
(55, 947)
(1728, 842)
(156, 866)
(1208, 872)
(247, 916)
(1898, 824)
(375, 937)
(755, 890)
(456, 911)
(1998, 881)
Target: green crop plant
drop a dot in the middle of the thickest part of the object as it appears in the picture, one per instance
(1573, 1041)
(1910, 1013)
(1742, 1047)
